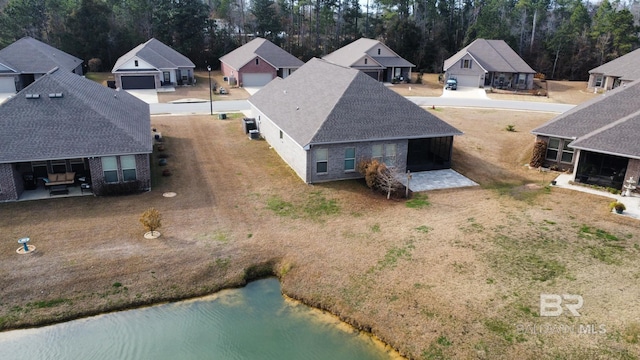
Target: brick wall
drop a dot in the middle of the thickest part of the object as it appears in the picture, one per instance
(8, 190)
(143, 172)
(261, 67)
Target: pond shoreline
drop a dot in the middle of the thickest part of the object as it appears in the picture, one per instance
(254, 272)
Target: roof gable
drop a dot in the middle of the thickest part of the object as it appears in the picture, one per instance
(87, 120)
(626, 67)
(156, 54)
(266, 50)
(31, 56)
(493, 56)
(327, 103)
(351, 53)
(609, 123)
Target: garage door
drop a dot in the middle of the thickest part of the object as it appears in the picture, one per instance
(7, 85)
(256, 79)
(138, 82)
(468, 80)
(373, 74)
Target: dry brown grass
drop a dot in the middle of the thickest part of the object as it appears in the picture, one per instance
(451, 280)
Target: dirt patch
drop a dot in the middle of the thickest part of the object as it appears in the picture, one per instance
(460, 278)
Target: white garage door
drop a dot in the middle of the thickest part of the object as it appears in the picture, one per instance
(255, 79)
(468, 80)
(7, 85)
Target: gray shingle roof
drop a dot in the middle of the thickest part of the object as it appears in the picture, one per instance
(31, 56)
(351, 53)
(326, 103)
(609, 123)
(157, 54)
(266, 50)
(88, 120)
(493, 56)
(627, 67)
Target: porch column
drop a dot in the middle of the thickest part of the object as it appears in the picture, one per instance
(576, 161)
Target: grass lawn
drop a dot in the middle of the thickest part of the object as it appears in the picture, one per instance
(452, 274)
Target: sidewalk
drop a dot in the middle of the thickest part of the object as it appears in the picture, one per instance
(632, 203)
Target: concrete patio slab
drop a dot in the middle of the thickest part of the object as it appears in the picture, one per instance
(436, 179)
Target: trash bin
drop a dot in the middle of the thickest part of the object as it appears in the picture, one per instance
(222, 116)
(254, 134)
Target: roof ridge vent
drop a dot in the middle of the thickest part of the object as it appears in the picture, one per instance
(55, 95)
(32, 96)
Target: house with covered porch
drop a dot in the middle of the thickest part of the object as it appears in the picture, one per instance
(598, 140)
(489, 63)
(64, 130)
(325, 118)
(374, 59)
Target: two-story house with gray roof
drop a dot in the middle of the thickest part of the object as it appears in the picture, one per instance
(374, 59)
(152, 65)
(489, 63)
(325, 118)
(598, 139)
(65, 124)
(25, 60)
(617, 72)
(257, 62)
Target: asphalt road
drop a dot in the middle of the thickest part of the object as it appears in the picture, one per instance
(239, 105)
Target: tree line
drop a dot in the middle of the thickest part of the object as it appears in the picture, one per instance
(563, 39)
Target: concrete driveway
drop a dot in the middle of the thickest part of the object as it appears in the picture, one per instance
(464, 92)
(148, 96)
(5, 96)
(252, 90)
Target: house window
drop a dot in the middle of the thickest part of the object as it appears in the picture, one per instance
(466, 64)
(521, 78)
(167, 76)
(378, 51)
(385, 154)
(365, 61)
(257, 61)
(567, 153)
(135, 63)
(390, 155)
(553, 148)
(322, 158)
(376, 153)
(350, 159)
(598, 81)
(110, 169)
(128, 164)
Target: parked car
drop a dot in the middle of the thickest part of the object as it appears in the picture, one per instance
(452, 84)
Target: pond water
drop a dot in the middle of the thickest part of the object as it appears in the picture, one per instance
(254, 322)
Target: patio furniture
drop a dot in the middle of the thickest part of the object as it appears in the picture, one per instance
(58, 190)
(60, 179)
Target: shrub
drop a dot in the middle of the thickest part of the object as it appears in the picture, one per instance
(124, 188)
(539, 151)
(618, 206)
(95, 65)
(419, 78)
(370, 169)
(510, 128)
(151, 219)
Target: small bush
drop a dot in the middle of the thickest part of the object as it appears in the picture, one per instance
(151, 219)
(95, 65)
(618, 206)
(124, 188)
(510, 128)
